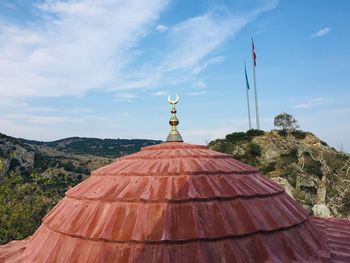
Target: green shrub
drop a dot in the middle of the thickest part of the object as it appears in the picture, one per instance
(346, 203)
(254, 132)
(291, 156)
(323, 143)
(313, 167)
(269, 168)
(283, 133)
(290, 175)
(254, 149)
(25, 200)
(14, 163)
(69, 167)
(299, 134)
(236, 137)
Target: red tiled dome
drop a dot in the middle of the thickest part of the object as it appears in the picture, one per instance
(177, 202)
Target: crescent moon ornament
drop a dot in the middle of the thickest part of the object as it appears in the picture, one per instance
(173, 102)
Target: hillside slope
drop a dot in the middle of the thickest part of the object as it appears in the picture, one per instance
(75, 157)
(35, 175)
(316, 175)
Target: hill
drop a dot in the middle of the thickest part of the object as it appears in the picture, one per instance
(75, 156)
(35, 175)
(315, 174)
(93, 146)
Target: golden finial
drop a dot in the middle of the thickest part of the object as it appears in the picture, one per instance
(174, 135)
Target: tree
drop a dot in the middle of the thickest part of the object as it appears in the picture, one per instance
(285, 121)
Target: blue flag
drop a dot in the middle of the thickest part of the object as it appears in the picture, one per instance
(246, 77)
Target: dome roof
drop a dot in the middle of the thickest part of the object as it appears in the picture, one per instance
(177, 202)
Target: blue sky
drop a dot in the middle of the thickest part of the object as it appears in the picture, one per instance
(104, 68)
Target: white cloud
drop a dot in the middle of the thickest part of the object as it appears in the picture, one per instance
(192, 46)
(197, 93)
(321, 32)
(77, 46)
(124, 96)
(206, 63)
(162, 28)
(160, 93)
(312, 103)
(83, 45)
(197, 37)
(199, 84)
(37, 119)
(73, 8)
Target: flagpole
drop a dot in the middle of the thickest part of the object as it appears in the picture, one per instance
(248, 104)
(255, 89)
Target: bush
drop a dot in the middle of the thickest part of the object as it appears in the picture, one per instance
(69, 167)
(236, 137)
(323, 143)
(291, 156)
(254, 132)
(313, 167)
(14, 163)
(254, 149)
(269, 168)
(25, 201)
(282, 133)
(299, 134)
(346, 203)
(290, 175)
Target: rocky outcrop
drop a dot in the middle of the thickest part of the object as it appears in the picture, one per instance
(315, 174)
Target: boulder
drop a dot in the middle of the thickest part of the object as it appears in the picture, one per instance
(321, 210)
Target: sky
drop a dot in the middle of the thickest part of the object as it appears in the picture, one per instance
(104, 68)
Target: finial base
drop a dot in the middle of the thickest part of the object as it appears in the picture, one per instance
(174, 137)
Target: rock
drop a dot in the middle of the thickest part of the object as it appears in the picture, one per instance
(321, 210)
(317, 173)
(285, 184)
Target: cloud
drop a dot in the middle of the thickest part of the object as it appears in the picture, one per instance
(162, 28)
(197, 37)
(38, 119)
(160, 93)
(211, 61)
(312, 103)
(75, 46)
(197, 93)
(199, 85)
(124, 97)
(321, 32)
(191, 46)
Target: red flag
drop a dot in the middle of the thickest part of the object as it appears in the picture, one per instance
(253, 53)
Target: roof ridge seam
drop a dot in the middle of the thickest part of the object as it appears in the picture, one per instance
(178, 201)
(203, 173)
(187, 156)
(262, 231)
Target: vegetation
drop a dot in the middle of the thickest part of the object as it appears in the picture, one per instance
(299, 134)
(243, 136)
(24, 201)
(315, 171)
(99, 147)
(234, 140)
(346, 203)
(285, 121)
(35, 175)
